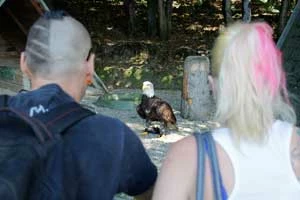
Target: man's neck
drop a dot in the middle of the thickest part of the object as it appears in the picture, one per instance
(65, 86)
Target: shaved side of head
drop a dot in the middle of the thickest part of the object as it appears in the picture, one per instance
(57, 45)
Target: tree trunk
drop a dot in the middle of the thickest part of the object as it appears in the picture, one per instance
(169, 15)
(163, 22)
(152, 17)
(227, 13)
(211, 2)
(130, 12)
(283, 14)
(247, 11)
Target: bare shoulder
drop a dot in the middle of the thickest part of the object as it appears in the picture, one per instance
(185, 145)
(179, 168)
(295, 152)
(182, 154)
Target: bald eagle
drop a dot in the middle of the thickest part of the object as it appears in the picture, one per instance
(153, 108)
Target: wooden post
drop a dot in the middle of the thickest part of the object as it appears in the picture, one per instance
(196, 101)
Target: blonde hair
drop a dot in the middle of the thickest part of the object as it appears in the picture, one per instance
(251, 91)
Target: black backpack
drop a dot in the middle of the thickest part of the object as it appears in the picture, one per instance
(25, 146)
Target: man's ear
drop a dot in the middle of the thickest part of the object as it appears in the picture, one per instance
(90, 66)
(24, 66)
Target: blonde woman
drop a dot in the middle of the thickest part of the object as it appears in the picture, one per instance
(258, 146)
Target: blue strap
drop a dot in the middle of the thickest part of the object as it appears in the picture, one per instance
(211, 152)
(220, 191)
(206, 140)
(200, 166)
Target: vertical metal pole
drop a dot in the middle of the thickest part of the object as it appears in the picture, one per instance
(44, 5)
(1, 2)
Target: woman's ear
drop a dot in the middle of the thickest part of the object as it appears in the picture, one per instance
(24, 66)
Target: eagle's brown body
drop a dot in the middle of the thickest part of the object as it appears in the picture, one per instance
(156, 109)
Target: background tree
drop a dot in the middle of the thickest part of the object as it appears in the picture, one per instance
(129, 6)
(227, 13)
(165, 17)
(285, 4)
(246, 10)
(152, 17)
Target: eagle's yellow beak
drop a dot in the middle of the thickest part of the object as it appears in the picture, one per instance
(145, 87)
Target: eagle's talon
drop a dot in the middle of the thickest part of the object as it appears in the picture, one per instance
(144, 133)
(161, 135)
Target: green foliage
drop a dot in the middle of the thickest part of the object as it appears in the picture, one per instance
(7, 73)
(125, 61)
(134, 76)
(122, 101)
(270, 5)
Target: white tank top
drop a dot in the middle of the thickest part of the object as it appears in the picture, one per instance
(262, 172)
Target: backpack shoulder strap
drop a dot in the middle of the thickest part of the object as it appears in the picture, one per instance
(55, 121)
(59, 119)
(4, 100)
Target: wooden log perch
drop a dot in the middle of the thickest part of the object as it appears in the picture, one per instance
(196, 100)
(9, 59)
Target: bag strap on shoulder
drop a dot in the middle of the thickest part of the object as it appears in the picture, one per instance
(59, 119)
(55, 121)
(39, 129)
(4, 100)
(200, 167)
(206, 145)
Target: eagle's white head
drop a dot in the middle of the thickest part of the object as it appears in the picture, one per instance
(148, 89)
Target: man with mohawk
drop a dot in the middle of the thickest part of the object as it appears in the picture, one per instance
(99, 156)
